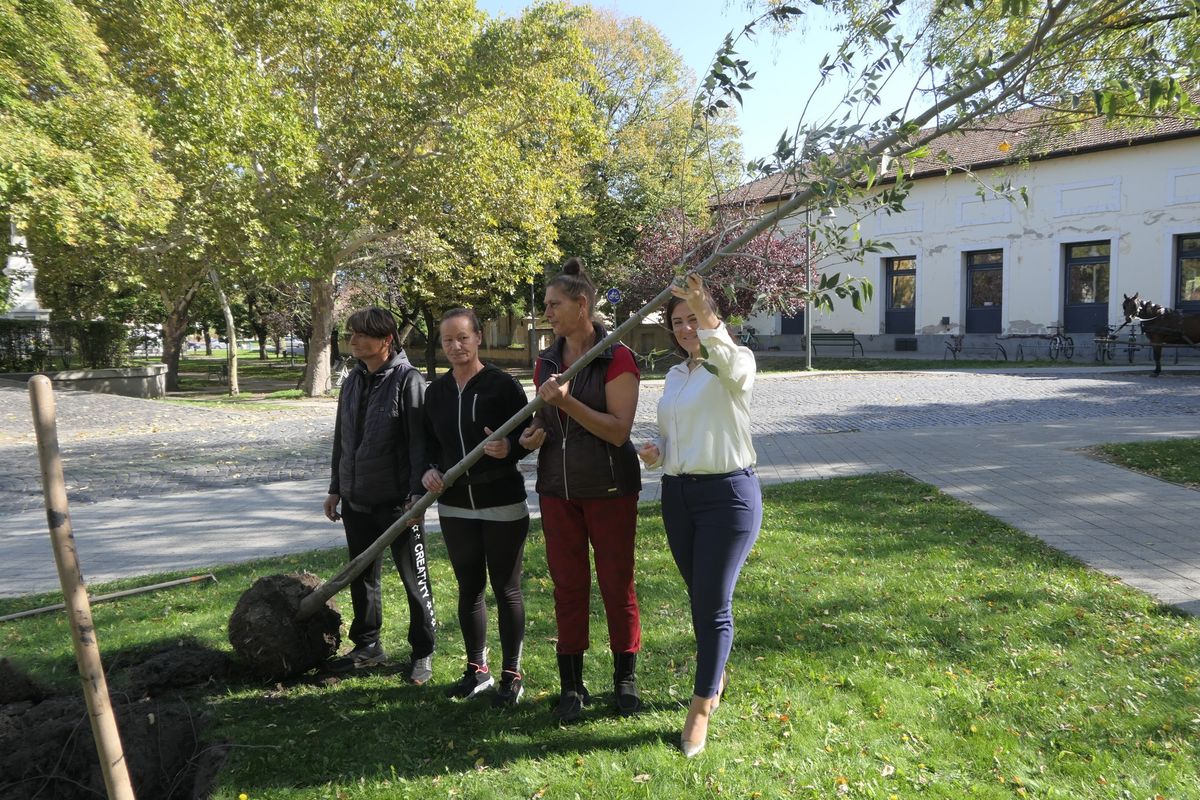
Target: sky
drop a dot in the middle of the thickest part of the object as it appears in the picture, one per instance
(696, 28)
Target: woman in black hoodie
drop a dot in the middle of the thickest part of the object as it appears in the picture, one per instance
(484, 516)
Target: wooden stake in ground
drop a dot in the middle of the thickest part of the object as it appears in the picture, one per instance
(83, 633)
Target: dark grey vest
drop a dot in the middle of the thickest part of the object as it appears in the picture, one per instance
(373, 462)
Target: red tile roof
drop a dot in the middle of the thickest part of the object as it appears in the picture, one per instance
(980, 146)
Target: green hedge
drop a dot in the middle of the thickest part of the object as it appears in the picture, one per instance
(32, 346)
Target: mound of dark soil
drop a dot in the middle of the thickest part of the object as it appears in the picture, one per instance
(176, 668)
(16, 686)
(47, 750)
(266, 635)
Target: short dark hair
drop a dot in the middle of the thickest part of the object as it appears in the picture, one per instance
(675, 302)
(574, 283)
(375, 322)
(463, 312)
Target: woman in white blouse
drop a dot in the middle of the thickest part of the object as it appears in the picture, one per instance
(711, 500)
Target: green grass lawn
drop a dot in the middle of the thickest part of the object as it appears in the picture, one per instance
(1177, 460)
(891, 643)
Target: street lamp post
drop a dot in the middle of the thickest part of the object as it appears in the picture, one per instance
(808, 289)
(532, 327)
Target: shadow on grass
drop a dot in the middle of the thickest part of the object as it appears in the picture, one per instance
(379, 727)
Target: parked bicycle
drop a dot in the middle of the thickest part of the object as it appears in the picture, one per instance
(1106, 344)
(748, 337)
(1060, 343)
(342, 369)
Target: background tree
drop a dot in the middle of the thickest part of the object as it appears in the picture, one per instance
(76, 162)
(420, 280)
(770, 271)
(233, 141)
(1134, 59)
(271, 313)
(419, 121)
(657, 155)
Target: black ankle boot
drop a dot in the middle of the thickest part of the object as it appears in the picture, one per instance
(625, 688)
(574, 696)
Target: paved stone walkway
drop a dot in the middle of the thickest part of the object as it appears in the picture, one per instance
(179, 488)
(115, 447)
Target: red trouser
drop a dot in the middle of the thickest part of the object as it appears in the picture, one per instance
(610, 524)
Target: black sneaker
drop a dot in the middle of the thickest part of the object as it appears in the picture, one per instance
(365, 655)
(570, 705)
(420, 670)
(509, 692)
(474, 680)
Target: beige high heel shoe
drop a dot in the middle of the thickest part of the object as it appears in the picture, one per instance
(701, 709)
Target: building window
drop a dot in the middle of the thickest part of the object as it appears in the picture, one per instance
(985, 270)
(1187, 272)
(1087, 273)
(902, 282)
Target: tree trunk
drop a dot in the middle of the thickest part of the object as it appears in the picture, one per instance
(406, 329)
(207, 341)
(430, 343)
(335, 350)
(231, 345)
(255, 320)
(278, 347)
(316, 371)
(175, 330)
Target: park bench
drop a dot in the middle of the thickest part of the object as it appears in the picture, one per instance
(219, 372)
(837, 339)
(958, 344)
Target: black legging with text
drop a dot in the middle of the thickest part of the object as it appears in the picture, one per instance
(480, 549)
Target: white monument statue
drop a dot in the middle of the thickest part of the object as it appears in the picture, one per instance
(23, 302)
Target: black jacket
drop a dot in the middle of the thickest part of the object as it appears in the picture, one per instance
(454, 427)
(573, 463)
(379, 437)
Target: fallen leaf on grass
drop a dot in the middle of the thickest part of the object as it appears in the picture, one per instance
(643, 778)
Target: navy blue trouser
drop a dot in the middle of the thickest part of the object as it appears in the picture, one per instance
(366, 591)
(712, 522)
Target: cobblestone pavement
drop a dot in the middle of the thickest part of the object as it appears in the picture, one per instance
(125, 447)
(118, 447)
(1007, 443)
(815, 403)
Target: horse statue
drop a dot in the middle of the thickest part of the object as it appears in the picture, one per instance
(1161, 325)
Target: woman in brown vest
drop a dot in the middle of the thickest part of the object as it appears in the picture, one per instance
(588, 484)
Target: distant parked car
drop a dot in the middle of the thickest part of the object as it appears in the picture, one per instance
(195, 345)
(294, 347)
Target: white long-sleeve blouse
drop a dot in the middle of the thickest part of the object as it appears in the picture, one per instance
(704, 419)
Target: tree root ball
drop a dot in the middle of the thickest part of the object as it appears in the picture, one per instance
(267, 636)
